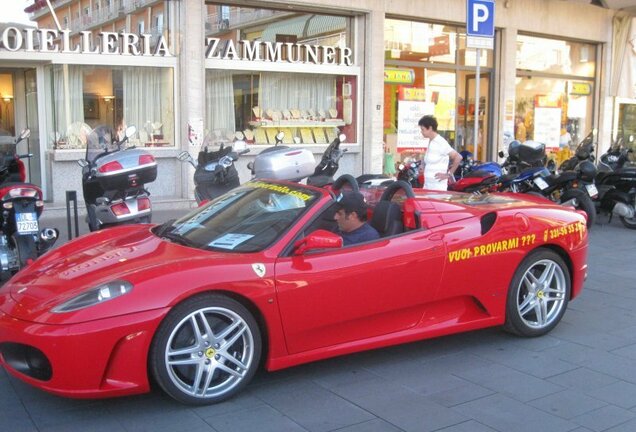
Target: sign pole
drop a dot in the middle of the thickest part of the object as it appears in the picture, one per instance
(476, 132)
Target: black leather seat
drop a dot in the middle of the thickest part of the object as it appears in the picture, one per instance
(387, 219)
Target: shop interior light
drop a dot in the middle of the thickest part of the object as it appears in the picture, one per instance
(108, 98)
(7, 98)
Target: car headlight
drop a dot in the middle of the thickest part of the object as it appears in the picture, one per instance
(99, 294)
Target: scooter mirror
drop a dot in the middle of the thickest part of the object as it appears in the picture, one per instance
(239, 145)
(183, 156)
(25, 134)
(82, 162)
(631, 138)
(297, 140)
(130, 131)
(501, 154)
(279, 136)
(342, 137)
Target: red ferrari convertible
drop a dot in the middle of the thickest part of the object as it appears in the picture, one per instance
(259, 275)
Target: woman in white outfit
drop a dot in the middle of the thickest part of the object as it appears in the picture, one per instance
(437, 171)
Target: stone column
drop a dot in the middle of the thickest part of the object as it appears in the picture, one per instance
(373, 100)
(190, 79)
(506, 77)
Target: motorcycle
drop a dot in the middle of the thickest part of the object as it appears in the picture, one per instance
(615, 182)
(214, 171)
(278, 162)
(529, 171)
(113, 180)
(410, 173)
(21, 240)
(616, 185)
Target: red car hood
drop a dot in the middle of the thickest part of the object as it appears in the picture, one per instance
(117, 253)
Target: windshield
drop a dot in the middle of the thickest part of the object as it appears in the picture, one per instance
(99, 141)
(246, 219)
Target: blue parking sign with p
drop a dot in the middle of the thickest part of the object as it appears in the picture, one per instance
(480, 18)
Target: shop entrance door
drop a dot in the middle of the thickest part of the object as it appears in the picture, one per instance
(19, 110)
(32, 121)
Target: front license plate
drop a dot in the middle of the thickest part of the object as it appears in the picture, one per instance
(541, 184)
(591, 190)
(27, 223)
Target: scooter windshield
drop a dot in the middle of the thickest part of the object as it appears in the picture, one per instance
(101, 140)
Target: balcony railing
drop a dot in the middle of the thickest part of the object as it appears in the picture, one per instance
(215, 23)
(98, 16)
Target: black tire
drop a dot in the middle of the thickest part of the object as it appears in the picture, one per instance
(210, 338)
(583, 202)
(93, 224)
(630, 222)
(26, 249)
(538, 294)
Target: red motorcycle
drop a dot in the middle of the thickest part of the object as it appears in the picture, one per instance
(21, 240)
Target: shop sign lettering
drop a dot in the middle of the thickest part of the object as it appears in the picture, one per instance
(54, 41)
(277, 52)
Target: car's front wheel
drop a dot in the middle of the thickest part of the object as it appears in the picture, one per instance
(206, 350)
(538, 294)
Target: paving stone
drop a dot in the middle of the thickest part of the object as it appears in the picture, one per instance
(620, 393)
(505, 414)
(399, 406)
(583, 379)
(469, 426)
(567, 404)
(261, 419)
(376, 425)
(502, 379)
(313, 407)
(605, 418)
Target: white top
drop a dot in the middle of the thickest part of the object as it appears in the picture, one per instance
(436, 161)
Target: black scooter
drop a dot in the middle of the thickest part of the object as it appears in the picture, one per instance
(616, 183)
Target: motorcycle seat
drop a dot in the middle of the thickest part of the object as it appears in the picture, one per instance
(564, 177)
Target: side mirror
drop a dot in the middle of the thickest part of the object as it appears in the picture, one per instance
(279, 136)
(130, 131)
(25, 134)
(501, 154)
(239, 145)
(342, 137)
(82, 162)
(319, 239)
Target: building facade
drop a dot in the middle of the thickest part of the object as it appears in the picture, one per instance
(191, 73)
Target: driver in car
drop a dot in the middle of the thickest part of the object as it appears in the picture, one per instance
(351, 216)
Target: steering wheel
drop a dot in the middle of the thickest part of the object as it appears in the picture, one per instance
(388, 193)
(346, 179)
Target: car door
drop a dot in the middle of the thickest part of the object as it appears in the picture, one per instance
(372, 289)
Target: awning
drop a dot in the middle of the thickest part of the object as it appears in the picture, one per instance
(623, 82)
(37, 4)
(304, 27)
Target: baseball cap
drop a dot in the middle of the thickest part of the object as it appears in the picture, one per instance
(352, 202)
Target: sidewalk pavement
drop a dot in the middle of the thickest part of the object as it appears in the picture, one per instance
(580, 377)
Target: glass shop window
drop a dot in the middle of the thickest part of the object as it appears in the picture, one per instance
(83, 97)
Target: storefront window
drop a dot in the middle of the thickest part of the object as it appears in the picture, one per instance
(290, 81)
(309, 109)
(429, 70)
(83, 97)
(7, 116)
(556, 111)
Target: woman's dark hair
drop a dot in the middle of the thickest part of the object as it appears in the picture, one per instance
(428, 121)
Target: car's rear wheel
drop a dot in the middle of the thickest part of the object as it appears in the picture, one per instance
(538, 294)
(206, 350)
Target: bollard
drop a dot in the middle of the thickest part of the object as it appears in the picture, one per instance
(71, 196)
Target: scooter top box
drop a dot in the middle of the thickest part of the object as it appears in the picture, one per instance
(284, 163)
(528, 151)
(118, 170)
